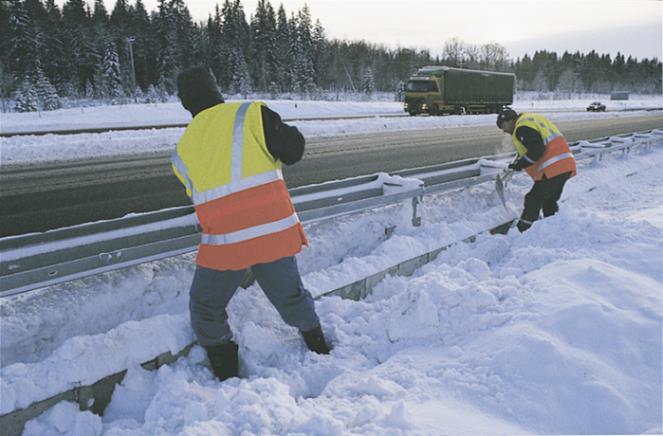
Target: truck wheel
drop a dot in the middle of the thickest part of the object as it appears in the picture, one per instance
(412, 113)
(460, 110)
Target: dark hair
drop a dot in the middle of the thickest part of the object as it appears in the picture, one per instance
(506, 114)
(197, 89)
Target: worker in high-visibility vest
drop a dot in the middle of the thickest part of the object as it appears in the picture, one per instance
(229, 159)
(543, 152)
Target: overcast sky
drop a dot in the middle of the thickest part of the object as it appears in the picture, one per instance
(633, 27)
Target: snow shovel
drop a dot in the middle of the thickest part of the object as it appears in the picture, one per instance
(501, 182)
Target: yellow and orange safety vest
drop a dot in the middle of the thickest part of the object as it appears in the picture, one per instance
(558, 157)
(237, 189)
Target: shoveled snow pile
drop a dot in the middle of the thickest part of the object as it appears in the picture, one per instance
(557, 330)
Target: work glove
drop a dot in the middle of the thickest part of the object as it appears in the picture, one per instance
(515, 165)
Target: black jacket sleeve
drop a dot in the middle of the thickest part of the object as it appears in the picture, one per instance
(284, 142)
(532, 140)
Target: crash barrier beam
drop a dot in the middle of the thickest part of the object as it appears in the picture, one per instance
(97, 396)
(33, 261)
(36, 260)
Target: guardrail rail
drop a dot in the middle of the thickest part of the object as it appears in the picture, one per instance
(36, 260)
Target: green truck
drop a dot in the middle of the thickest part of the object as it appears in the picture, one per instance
(437, 90)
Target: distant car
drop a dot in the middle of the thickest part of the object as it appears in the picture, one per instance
(597, 106)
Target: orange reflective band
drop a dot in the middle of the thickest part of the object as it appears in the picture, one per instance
(555, 159)
(263, 249)
(558, 159)
(252, 207)
(249, 233)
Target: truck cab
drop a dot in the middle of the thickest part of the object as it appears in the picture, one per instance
(421, 95)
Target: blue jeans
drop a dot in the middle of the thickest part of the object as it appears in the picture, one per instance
(212, 290)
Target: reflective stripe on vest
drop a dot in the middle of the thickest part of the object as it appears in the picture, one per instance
(183, 170)
(250, 233)
(555, 159)
(238, 142)
(235, 186)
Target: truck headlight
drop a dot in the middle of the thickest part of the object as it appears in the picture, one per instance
(424, 107)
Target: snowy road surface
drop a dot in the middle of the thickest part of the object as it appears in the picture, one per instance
(556, 331)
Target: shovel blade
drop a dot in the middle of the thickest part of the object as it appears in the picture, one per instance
(499, 188)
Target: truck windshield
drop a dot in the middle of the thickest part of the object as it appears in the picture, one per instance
(421, 86)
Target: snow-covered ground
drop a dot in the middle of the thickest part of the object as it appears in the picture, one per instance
(558, 330)
(58, 148)
(173, 113)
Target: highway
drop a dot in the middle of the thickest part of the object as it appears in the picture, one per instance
(38, 198)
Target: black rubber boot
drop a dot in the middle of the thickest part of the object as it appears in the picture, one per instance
(224, 359)
(315, 341)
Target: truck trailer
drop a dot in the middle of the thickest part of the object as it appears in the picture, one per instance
(437, 90)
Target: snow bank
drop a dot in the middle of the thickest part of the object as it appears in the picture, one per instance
(172, 112)
(58, 148)
(557, 330)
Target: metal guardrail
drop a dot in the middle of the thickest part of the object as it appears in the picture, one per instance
(32, 261)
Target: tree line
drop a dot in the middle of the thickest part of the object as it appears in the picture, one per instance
(83, 51)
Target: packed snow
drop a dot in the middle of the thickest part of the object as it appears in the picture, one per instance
(38, 149)
(557, 330)
(172, 111)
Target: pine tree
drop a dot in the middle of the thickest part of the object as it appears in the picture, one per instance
(166, 35)
(110, 68)
(368, 82)
(162, 90)
(100, 14)
(187, 51)
(241, 82)
(284, 43)
(321, 58)
(235, 33)
(144, 58)
(26, 99)
(46, 93)
(80, 55)
(4, 33)
(89, 90)
(263, 37)
(215, 42)
(22, 53)
(151, 96)
(53, 57)
(304, 75)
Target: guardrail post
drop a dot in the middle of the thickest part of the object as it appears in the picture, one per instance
(416, 219)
